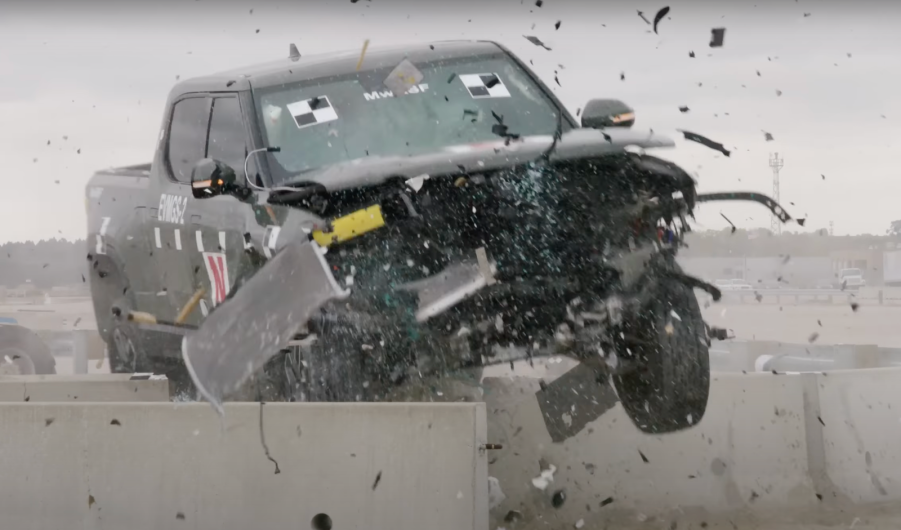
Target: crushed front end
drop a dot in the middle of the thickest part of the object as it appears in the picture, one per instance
(539, 257)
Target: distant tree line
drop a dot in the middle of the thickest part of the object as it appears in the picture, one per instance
(47, 263)
(58, 262)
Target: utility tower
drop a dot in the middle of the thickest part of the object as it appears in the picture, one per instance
(776, 165)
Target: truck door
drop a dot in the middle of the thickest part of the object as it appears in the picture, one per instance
(220, 220)
(173, 219)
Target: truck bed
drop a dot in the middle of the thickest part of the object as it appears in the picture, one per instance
(138, 170)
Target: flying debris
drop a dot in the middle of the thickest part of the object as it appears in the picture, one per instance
(691, 54)
(293, 53)
(717, 36)
(704, 141)
(683, 109)
(728, 221)
(536, 41)
(362, 54)
(767, 136)
(646, 21)
(659, 16)
(557, 25)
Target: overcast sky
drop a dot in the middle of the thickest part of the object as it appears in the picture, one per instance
(98, 73)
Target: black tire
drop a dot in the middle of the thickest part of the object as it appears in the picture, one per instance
(27, 353)
(668, 390)
(128, 354)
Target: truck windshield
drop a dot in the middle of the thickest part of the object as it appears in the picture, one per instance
(331, 120)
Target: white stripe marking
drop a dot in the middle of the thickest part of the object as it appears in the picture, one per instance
(104, 224)
(203, 307)
(156, 237)
(221, 241)
(199, 237)
(269, 246)
(177, 239)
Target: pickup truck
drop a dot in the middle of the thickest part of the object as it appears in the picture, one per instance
(457, 200)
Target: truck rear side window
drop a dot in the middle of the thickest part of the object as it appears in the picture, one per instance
(226, 142)
(187, 136)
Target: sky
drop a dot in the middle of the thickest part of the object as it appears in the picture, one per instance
(92, 79)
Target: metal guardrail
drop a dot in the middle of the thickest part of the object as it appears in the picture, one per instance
(769, 356)
(868, 296)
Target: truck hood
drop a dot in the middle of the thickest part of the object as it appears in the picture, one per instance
(468, 158)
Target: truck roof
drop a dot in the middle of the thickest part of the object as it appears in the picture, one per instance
(287, 70)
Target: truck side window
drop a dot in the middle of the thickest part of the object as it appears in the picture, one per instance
(187, 136)
(226, 142)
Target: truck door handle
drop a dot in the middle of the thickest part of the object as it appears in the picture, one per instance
(195, 219)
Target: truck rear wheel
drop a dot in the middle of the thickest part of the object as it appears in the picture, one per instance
(128, 354)
(668, 390)
(22, 352)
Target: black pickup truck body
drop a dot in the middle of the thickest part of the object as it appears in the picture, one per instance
(474, 153)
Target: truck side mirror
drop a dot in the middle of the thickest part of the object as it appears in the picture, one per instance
(211, 177)
(600, 113)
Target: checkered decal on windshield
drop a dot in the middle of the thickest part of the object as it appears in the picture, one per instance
(312, 111)
(485, 86)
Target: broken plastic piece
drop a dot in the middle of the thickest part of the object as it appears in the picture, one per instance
(262, 317)
(659, 16)
(350, 226)
(416, 183)
(717, 36)
(704, 141)
(536, 41)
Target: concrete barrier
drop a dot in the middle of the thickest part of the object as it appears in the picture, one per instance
(749, 449)
(802, 447)
(160, 466)
(861, 424)
(83, 388)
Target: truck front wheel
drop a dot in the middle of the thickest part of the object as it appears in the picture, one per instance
(668, 390)
(128, 354)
